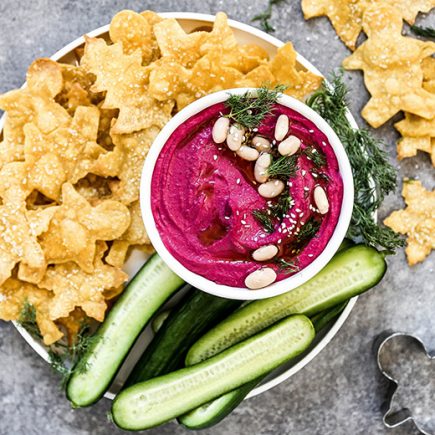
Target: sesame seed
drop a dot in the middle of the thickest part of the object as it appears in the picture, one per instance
(226, 217)
(310, 255)
(303, 172)
(243, 222)
(311, 131)
(215, 157)
(238, 181)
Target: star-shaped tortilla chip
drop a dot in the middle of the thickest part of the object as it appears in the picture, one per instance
(392, 66)
(34, 103)
(18, 239)
(417, 220)
(346, 15)
(76, 227)
(60, 156)
(72, 287)
(133, 148)
(14, 295)
(125, 80)
(135, 235)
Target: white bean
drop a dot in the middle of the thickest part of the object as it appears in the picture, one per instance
(247, 153)
(261, 143)
(261, 166)
(260, 278)
(289, 146)
(265, 253)
(281, 127)
(321, 200)
(271, 188)
(235, 137)
(220, 129)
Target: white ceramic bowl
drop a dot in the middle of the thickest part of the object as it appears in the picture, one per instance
(245, 34)
(276, 288)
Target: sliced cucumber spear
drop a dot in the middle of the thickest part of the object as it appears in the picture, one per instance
(160, 399)
(144, 295)
(348, 274)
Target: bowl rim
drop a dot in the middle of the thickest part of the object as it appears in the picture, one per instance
(276, 43)
(279, 287)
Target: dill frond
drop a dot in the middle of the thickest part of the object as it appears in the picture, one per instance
(249, 110)
(283, 167)
(426, 32)
(266, 15)
(316, 156)
(264, 219)
(374, 177)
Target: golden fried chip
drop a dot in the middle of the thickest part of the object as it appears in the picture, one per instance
(135, 235)
(346, 15)
(134, 147)
(126, 82)
(392, 68)
(76, 89)
(58, 157)
(135, 32)
(178, 45)
(408, 147)
(16, 295)
(18, 240)
(74, 324)
(417, 220)
(73, 287)
(36, 104)
(77, 226)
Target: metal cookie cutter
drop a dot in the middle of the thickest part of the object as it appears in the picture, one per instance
(391, 418)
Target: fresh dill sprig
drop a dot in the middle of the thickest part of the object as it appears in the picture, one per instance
(282, 206)
(374, 177)
(277, 211)
(426, 32)
(318, 174)
(283, 167)
(27, 319)
(287, 266)
(265, 219)
(249, 110)
(266, 15)
(307, 232)
(64, 359)
(316, 156)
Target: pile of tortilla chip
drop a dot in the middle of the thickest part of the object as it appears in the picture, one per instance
(72, 150)
(399, 73)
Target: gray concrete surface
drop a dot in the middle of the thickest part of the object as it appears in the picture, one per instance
(340, 392)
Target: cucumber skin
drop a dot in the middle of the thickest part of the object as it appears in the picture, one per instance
(259, 314)
(218, 409)
(193, 316)
(82, 380)
(286, 339)
(158, 321)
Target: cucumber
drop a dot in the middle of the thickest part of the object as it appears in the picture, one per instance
(160, 399)
(321, 319)
(195, 314)
(158, 321)
(143, 296)
(349, 273)
(213, 412)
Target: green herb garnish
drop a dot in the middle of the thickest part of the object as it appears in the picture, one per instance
(374, 177)
(316, 156)
(27, 320)
(64, 359)
(426, 32)
(264, 218)
(266, 15)
(283, 167)
(282, 206)
(307, 232)
(287, 266)
(249, 110)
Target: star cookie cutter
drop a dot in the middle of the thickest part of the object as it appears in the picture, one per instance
(392, 419)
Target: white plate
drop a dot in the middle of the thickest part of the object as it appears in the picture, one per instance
(244, 34)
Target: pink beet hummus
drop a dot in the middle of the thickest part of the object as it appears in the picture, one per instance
(203, 196)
